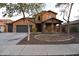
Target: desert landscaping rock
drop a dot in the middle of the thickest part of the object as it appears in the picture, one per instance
(74, 39)
(53, 37)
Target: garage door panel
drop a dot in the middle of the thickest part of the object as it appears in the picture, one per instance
(21, 28)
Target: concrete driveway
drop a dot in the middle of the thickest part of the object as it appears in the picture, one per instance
(11, 38)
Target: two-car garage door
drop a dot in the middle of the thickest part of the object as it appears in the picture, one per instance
(22, 28)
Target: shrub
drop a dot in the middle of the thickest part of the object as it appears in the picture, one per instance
(34, 30)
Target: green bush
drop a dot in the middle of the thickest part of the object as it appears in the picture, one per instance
(34, 30)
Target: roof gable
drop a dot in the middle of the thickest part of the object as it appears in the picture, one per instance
(45, 12)
(29, 19)
(48, 11)
(53, 20)
(6, 20)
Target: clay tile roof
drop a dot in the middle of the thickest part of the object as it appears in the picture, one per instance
(55, 19)
(6, 20)
(48, 11)
(45, 12)
(52, 11)
(29, 19)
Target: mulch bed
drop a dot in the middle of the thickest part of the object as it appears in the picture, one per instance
(35, 41)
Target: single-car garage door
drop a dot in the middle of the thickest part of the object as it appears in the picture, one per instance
(22, 28)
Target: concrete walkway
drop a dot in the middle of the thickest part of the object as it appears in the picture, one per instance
(65, 49)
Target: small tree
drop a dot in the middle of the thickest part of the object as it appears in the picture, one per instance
(14, 9)
(66, 13)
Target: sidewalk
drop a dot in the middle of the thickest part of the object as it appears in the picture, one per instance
(65, 49)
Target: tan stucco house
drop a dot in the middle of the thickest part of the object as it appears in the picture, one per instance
(44, 21)
(3, 25)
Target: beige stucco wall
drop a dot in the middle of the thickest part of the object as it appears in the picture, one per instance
(48, 15)
(22, 22)
(44, 16)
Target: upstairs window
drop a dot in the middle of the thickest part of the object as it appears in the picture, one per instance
(49, 16)
(39, 18)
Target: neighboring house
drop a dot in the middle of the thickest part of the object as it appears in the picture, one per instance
(3, 23)
(44, 21)
(2, 26)
(74, 26)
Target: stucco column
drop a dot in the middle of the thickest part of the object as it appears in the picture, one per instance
(52, 27)
(14, 28)
(43, 27)
(6, 28)
(60, 28)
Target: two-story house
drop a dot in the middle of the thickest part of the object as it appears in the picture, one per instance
(46, 21)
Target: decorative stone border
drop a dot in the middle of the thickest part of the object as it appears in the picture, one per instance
(55, 41)
(67, 39)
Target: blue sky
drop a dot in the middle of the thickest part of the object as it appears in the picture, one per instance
(51, 6)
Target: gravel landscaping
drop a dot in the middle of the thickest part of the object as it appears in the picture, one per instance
(53, 37)
(40, 38)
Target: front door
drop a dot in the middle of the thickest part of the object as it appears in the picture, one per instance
(10, 28)
(39, 27)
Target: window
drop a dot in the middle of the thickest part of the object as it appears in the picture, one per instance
(39, 18)
(57, 24)
(49, 16)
